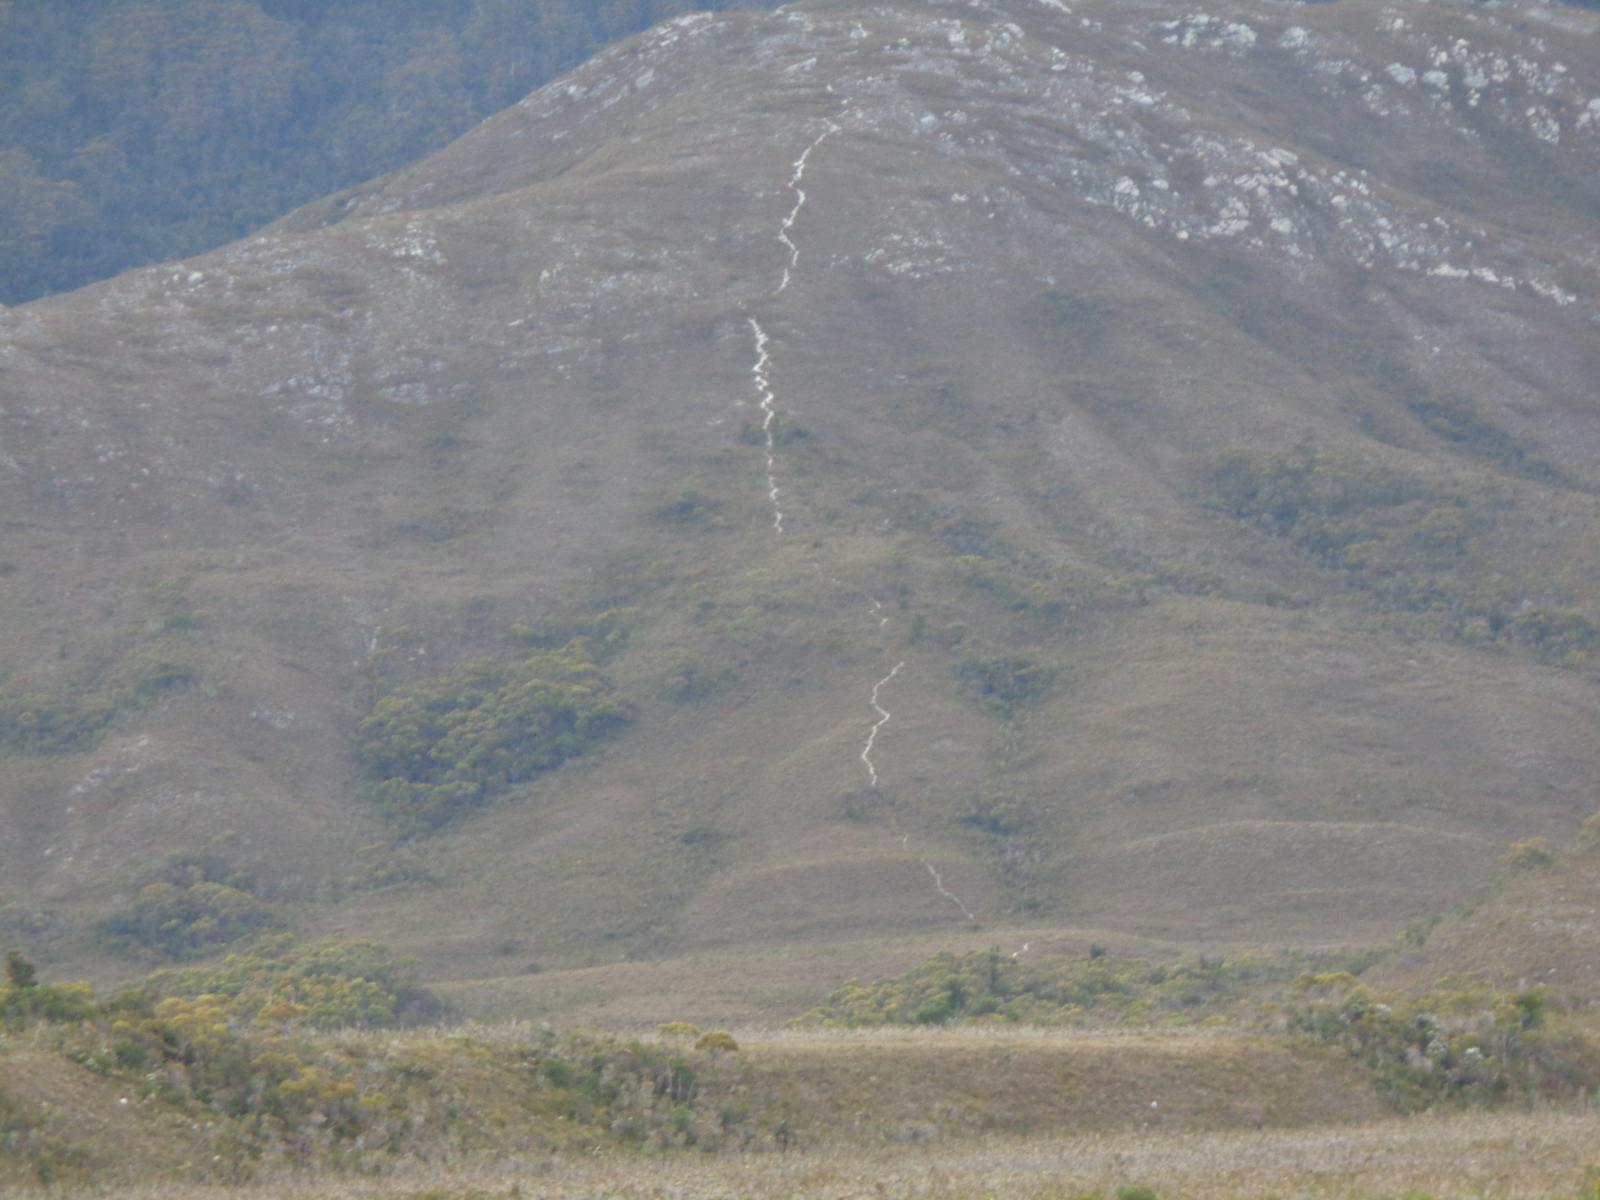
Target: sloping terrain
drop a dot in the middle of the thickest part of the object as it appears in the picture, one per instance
(1534, 927)
(1051, 468)
(516, 1100)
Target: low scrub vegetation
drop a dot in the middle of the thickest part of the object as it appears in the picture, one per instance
(277, 1061)
(261, 1058)
(196, 904)
(990, 985)
(72, 719)
(23, 998)
(1473, 1046)
(1004, 684)
(1326, 503)
(1408, 543)
(435, 749)
(1456, 419)
(321, 986)
(172, 921)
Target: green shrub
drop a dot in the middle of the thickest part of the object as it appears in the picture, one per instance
(1004, 683)
(602, 633)
(1456, 419)
(1589, 832)
(1475, 1046)
(33, 722)
(20, 973)
(1050, 991)
(1528, 855)
(231, 1053)
(1324, 503)
(1000, 815)
(1559, 634)
(1019, 592)
(689, 509)
(445, 746)
(717, 1041)
(324, 985)
(182, 921)
(1406, 542)
(689, 681)
(386, 866)
(24, 998)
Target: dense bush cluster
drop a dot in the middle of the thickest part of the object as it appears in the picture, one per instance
(34, 722)
(155, 129)
(323, 986)
(24, 998)
(234, 1049)
(195, 903)
(446, 745)
(1004, 683)
(987, 984)
(1407, 543)
(1456, 419)
(1472, 1046)
(176, 921)
(1323, 503)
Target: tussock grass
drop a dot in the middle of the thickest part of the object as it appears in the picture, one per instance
(391, 1102)
(1527, 1155)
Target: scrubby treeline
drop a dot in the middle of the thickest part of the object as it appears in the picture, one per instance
(1102, 988)
(1459, 1043)
(287, 1057)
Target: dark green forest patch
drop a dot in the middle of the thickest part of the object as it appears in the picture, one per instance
(146, 131)
(194, 904)
(1410, 544)
(435, 749)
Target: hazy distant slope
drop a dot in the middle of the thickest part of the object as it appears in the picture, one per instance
(143, 131)
(1187, 492)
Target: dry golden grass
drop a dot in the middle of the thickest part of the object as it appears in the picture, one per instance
(922, 1086)
(752, 987)
(1536, 926)
(810, 1093)
(80, 1117)
(1505, 1156)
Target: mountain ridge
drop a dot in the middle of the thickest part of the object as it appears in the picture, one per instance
(1227, 505)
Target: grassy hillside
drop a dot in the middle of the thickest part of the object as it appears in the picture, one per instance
(1533, 926)
(993, 478)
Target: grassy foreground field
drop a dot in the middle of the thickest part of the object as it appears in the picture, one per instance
(1547, 1154)
(946, 1114)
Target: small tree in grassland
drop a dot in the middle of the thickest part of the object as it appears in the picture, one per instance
(1528, 855)
(716, 1041)
(19, 971)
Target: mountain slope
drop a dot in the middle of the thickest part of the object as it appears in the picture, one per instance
(1104, 468)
